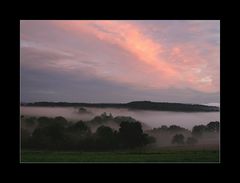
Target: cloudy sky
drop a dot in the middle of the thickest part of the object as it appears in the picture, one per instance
(120, 61)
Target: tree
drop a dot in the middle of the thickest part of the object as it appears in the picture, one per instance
(60, 120)
(76, 134)
(40, 139)
(103, 118)
(82, 110)
(178, 139)
(213, 126)
(131, 135)
(147, 139)
(120, 119)
(198, 130)
(80, 128)
(106, 138)
(175, 129)
(164, 128)
(105, 132)
(191, 141)
(49, 137)
(44, 121)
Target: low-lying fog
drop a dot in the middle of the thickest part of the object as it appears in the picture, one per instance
(150, 118)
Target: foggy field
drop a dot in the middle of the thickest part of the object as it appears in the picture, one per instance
(106, 138)
(150, 118)
(172, 154)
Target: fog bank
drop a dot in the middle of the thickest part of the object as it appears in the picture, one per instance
(150, 118)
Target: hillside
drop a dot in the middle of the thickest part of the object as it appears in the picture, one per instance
(137, 105)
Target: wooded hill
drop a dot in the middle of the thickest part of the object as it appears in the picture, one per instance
(137, 105)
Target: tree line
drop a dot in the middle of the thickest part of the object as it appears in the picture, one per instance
(179, 133)
(59, 134)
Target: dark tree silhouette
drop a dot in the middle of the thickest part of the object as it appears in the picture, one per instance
(213, 126)
(164, 127)
(131, 135)
(49, 137)
(198, 130)
(44, 121)
(60, 120)
(105, 132)
(106, 138)
(80, 127)
(59, 134)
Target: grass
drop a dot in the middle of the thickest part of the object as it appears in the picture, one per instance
(160, 155)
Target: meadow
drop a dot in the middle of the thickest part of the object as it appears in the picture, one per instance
(163, 155)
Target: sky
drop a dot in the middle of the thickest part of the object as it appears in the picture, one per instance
(120, 61)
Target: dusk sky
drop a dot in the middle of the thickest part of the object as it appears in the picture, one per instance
(120, 61)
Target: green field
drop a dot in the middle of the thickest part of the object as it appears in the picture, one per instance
(163, 155)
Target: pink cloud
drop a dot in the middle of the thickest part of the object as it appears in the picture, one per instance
(141, 61)
(128, 37)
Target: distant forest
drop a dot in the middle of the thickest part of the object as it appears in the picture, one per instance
(137, 105)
